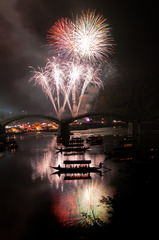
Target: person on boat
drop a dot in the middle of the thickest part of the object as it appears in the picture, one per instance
(59, 166)
(100, 164)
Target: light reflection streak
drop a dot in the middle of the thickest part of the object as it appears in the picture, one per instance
(91, 204)
(84, 199)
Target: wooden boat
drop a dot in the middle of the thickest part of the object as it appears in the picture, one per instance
(77, 166)
(74, 145)
(77, 169)
(11, 144)
(73, 153)
(76, 140)
(2, 146)
(95, 140)
(128, 142)
(72, 149)
(122, 153)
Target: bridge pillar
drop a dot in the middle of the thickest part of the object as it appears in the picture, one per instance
(134, 128)
(134, 131)
(2, 133)
(63, 133)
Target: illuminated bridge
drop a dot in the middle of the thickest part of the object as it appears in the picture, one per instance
(53, 119)
(63, 129)
(19, 117)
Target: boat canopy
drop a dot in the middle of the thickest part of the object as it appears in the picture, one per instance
(77, 162)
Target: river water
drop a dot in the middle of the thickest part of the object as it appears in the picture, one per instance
(35, 202)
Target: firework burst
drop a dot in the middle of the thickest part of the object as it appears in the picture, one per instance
(60, 36)
(92, 37)
(79, 46)
(87, 38)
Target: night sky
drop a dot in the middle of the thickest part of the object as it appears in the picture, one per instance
(23, 29)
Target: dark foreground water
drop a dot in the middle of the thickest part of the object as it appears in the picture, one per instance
(120, 201)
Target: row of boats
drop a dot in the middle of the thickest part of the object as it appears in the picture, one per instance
(126, 151)
(76, 144)
(8, 144)
(77, 169)
(129, 149)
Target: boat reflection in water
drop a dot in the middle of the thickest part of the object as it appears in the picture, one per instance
(76, 198)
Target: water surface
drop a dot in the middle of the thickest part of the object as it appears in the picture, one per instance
(35, 202)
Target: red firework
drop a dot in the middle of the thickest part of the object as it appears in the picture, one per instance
(60, 35)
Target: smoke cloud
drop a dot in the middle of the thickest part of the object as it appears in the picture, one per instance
(19, 48)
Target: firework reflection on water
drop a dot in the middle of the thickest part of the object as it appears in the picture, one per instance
(74, 202)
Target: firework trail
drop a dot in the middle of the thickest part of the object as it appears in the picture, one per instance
(65, 83)
(79, 48)
(51, 79)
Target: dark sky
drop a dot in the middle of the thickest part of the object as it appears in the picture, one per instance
(23, 29)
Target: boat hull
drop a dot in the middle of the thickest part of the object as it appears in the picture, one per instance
(76, 170)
